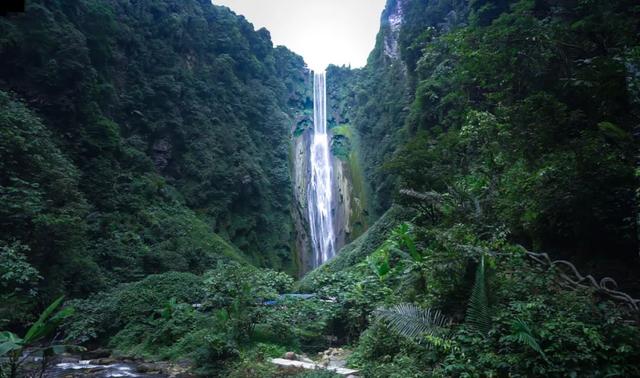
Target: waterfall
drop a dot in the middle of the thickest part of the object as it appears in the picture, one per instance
(320, 216)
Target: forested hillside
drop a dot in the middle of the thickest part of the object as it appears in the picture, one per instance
(525, 111)
(138, 138)
(506, 134)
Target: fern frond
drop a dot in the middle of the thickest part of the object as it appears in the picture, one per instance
(411, 321)
(478, 311)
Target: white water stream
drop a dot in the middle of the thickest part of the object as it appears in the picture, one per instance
(320, 196)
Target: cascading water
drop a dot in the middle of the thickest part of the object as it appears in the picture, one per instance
(320, 216)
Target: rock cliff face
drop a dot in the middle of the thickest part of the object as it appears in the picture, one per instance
(299, 208)
(391, 22)
(161, 153)
(348, 211)
(371, 123)
(359, 141)
(342, 198)
(347, 208)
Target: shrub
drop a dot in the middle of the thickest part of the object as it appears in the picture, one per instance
(107, 313)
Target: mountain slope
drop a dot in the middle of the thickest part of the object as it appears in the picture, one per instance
(143, 137)
(526, 109)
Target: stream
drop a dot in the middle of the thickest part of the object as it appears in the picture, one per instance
(88, 368)
(75, 367)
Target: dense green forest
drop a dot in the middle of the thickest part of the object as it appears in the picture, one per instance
(146, 176)
(142, 138)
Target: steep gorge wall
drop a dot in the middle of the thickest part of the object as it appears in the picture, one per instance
(355, 155)
(301, 132)
(348, 197)
(368, 108)
(370, 105)
(436, 66)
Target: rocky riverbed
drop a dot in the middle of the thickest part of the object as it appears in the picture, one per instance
(69, 366)
(332, 359)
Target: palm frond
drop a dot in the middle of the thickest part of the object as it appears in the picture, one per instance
(478, 311)
(522, 333)
(411, 321)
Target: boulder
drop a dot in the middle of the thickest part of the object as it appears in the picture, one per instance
(96, 353)
(104, 361)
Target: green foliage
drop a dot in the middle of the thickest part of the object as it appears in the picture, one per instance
(522, 333)
(525, 324)
(230, 280)
(403, 238)
(478, 311)
(239, 290)
(341, 144)
(543, 330)
(379, 262)
(216, 320)
(359, 291)
(411, 321)
(18, 283)
(41, 207)
(300, 324)
(107, 313)
(522, 113)
(353, 99)
(157, 146)
(13, 347)
(380, 352)
(215, 355)
(360, 248)
(144, 160)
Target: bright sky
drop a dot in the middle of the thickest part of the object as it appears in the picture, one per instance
(322, 31)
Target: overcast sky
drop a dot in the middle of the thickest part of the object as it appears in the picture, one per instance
(322, 31)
